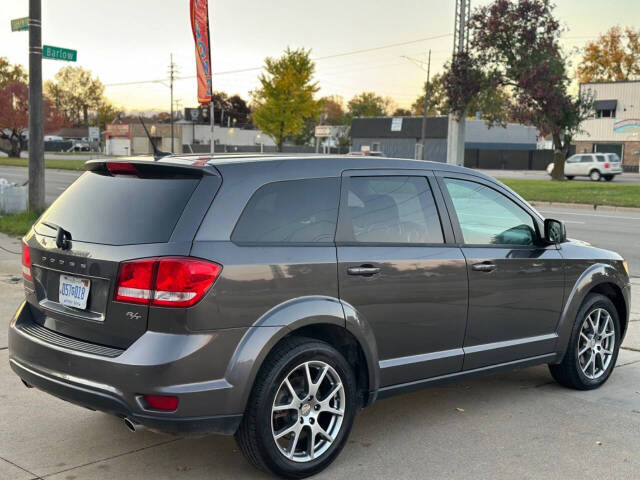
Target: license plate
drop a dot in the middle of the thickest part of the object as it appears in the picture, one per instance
(74, 291)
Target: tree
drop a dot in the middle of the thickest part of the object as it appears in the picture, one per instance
(75, 92)
(611, 58)
(515, 46)
(368, 104)
(402, 112)
(14, 117)
(11, 73)
(239, 111)
(106, 113)
(437, 99)
(285, 98)
(332, 111)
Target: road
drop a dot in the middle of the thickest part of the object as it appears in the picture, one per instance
(56, 181)
(542, 175)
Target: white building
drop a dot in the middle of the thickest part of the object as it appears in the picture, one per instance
(615, 126)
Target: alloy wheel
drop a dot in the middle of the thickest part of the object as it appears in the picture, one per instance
(596, 343)
(308, 411)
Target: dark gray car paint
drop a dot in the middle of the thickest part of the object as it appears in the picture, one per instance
(210, 354)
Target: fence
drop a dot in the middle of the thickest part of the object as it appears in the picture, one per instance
(206, 148)
(508, 159)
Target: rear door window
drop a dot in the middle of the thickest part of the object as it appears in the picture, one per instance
(119, 210)
(290, 212)
(390, 209)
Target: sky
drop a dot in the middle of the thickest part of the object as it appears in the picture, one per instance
(124, 41)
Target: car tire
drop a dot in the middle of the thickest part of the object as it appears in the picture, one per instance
(595, 176)
(593, 347)
(291, 455)
(608, 178)
(569, 177)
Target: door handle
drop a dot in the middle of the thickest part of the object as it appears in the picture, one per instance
(483, 267)
(363, 270)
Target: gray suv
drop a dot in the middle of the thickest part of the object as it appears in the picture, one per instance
(271, 298)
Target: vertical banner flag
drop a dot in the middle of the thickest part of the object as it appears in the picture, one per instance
(200, 27)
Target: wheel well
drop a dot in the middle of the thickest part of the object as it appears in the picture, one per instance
(595, 170)
(343, 341)
(613, 292)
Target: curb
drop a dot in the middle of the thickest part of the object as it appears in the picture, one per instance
(586, 206)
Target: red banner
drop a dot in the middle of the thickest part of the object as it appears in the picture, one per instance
(200, 28)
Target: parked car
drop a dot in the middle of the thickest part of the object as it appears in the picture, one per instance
(272, 298)
(592, 165)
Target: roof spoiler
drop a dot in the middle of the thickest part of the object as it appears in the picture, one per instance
(148, 168)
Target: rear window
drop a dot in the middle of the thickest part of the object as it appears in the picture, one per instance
(119, 210)
(292, 211)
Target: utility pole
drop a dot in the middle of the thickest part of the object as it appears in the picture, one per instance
(36, 123)
(172, 69)
(423, 141)
(456, 130)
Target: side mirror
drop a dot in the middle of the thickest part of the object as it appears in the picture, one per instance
(554, 231)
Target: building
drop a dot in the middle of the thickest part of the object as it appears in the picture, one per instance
(615, 126)
(399, 136)
(188, 137)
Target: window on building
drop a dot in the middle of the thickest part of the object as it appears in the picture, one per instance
(607, 113)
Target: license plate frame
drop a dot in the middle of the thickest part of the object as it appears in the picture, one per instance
(73, 291)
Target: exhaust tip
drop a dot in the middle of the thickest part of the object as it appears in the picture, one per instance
(133, 426)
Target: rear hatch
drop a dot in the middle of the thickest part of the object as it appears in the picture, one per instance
(115, 212)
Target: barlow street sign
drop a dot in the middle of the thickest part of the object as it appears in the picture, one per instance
(57, 53)
(20, 24)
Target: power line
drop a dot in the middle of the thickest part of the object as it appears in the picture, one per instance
(326, 57)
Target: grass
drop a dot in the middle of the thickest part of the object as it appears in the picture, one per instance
(17, 224)
(61, 164)
(591, 193)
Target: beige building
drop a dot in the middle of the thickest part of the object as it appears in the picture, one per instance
(615, 126)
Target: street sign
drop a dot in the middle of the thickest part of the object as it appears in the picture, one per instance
(396, 124)
(94, 133)
(323, 131)
(57, 53)
(20, 24)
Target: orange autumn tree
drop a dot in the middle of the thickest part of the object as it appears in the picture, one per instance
(614, 57)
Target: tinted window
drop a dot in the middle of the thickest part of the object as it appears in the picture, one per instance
(488, 217)
(601, 158)
(295, 211)
(119, 210)
(574, 159)
(391, 210)
(586, 159)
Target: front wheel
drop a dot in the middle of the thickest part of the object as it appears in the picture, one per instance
(608, 178)
(593, 346)
(300, 411)
(595, 176)
(569, 177)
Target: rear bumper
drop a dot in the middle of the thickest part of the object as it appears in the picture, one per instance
(190, 367)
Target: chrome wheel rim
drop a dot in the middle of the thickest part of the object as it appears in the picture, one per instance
(595, 175)
(596, 343)
(307, 411)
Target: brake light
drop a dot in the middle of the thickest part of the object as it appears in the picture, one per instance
(161, 402)
(121, 168)
(26, 262)
(166, 282)
(607, 165)
(135, 281)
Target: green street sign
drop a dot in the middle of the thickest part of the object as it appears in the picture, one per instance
(57, 53)
(20, 24)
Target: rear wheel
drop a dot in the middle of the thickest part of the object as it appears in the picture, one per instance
(300, 411)
(608, 178)
(593, 347)
(595, 176)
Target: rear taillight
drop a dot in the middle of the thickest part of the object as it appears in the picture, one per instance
(161, 402)
(121, 168)
(166, 282)
(135, 281)
(26, 262)
(607, 165)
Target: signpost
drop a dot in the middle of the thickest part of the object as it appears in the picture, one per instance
(323, 131)
(20, 24)
(57, 53)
